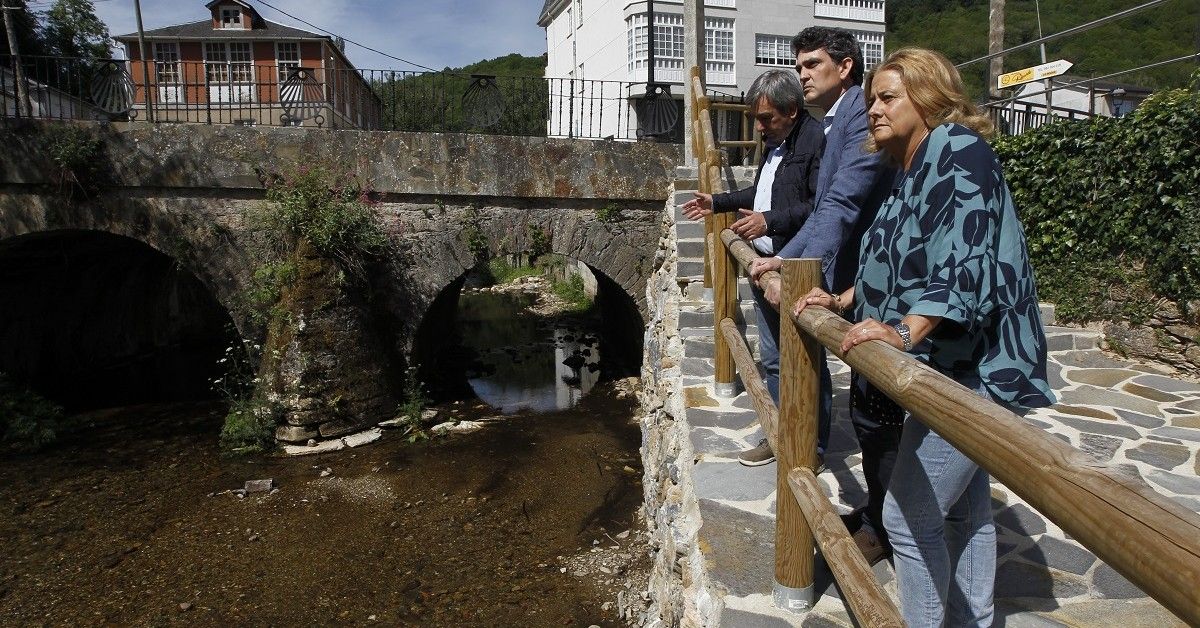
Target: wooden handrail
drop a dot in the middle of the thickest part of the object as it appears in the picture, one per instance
(861, 591)
(764, 407)
(1149, 539)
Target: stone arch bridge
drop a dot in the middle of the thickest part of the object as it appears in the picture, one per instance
(183, 193)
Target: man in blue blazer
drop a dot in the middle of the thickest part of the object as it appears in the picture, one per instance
(851, 186)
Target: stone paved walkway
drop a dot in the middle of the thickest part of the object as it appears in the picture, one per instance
(1134, 416)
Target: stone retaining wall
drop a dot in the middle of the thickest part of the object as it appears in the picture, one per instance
(1168, 337)
(681, 593)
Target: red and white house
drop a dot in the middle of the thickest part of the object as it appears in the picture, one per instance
(237, 68)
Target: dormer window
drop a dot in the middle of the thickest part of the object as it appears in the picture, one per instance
(231, 17)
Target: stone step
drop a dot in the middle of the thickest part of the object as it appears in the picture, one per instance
(690, 248)
(701, 346)
(1047, 310)
(689, 230)
(1071, 338)
(702, 316)
(690, 268)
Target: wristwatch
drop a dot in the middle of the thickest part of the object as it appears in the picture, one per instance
(905, 335)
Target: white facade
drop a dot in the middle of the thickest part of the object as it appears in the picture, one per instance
(606, 40)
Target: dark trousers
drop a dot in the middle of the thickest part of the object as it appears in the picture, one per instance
(879, 444)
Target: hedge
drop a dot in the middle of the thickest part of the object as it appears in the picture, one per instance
(1111, 206)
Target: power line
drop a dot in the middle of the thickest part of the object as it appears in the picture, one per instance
(1070, 31)
(347, 40)
(1194, 55)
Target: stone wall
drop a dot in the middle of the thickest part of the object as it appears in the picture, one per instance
(680, 591)
(1168, 337)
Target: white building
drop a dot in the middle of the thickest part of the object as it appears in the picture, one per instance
(590, 43)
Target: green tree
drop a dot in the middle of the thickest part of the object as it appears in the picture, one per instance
(25, 23)
(73, 30)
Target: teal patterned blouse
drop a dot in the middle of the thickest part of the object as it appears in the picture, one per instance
(948, 243)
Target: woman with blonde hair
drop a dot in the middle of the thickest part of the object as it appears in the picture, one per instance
(944, 274)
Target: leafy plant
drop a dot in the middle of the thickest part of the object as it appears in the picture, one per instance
(335, 213)
(27, 421)
(609, 213)
(572, 291)
(503, 272)
(539, 242)
(249, 426)
(414, 403)
(472, 230)
(75, 150)
(266, 287)
(1114, 200)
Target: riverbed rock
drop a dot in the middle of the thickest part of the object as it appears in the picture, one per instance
(259, 486)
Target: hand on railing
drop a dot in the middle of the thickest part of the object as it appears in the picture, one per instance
(698, 207)
(751, 225)
(764, 264)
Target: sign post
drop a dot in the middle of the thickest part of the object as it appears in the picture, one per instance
(1036, 73)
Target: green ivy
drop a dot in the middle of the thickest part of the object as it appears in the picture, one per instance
(1115, 201)
(27, 421)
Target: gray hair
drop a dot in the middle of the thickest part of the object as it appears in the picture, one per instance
(780, 87)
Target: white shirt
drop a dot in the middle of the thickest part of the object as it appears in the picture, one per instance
(762, 196)
(832, 112)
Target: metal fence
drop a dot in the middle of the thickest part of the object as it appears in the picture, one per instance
(290, 95)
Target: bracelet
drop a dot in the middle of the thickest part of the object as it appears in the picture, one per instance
(905, 335)
(837, 304)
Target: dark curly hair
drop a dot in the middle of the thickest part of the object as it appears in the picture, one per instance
(839, 43)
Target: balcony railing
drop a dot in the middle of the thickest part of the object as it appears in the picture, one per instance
(265, 94)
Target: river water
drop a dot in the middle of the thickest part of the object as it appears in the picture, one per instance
(131, 520)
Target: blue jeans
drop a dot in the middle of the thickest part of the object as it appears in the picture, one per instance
(768, 350)
(938, 515)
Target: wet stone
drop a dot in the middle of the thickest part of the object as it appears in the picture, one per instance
(1021, 519)
(1100, 447)
(1161, 455)
(1175, 483)
(1113, 585)
(1096, 427)
(732, 481)
(1140, 420)
(1060, 555)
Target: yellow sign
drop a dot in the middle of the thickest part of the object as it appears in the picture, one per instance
(1036, 73)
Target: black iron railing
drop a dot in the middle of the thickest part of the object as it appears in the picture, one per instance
(292, 95)
(1014, 118)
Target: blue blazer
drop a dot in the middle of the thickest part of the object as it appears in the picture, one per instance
(851, 185)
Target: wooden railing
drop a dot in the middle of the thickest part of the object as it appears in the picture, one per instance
(1151, 540)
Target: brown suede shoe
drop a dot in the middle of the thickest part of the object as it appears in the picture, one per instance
(869, 545)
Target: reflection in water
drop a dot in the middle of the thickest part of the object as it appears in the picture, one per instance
(522, 361)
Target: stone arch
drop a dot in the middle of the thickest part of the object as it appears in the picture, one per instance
(181, 230)
(433, 260)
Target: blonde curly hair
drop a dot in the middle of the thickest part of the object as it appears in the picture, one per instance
(935, 89)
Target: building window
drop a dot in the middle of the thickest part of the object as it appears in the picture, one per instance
(231, 17)
(773, 50)
(872, 48)
(229, 69)
(578, 14)
(860, 10)
(166, 72)
(287, 58)
(718, 40)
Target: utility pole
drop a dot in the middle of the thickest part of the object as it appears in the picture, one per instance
(24, 107)
(995, 44)
(1048, 84)
(137, 8)
(693, 55)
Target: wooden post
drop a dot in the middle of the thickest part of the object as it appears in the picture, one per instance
(725, 299)
(798, 403)
(693, 57)
(24, 107)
